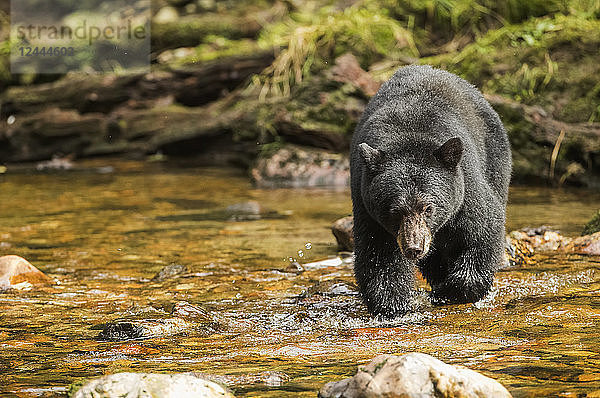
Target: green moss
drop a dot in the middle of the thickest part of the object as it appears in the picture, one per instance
(443, 19)
(215, 47)
(577, 109)
(593, 225)
(312, 41)
(74, 387)
(5, 76)
(318, 104)
(269, 149)
(536, 62)
(379, 366)
(193, 31)
(327, 105)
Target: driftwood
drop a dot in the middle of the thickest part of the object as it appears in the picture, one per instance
(202, 131)
(92, 115)
(192, 85)
(292, 131)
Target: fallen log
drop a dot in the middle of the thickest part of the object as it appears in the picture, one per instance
(191, 85)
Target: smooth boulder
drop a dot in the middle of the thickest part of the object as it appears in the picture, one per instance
(18, 273)
(414, 375)
(147, 385)
(342, 230)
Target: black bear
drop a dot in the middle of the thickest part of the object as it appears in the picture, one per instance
(430, 167)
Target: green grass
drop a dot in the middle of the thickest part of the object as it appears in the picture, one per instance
(311, 42)
(536, 62)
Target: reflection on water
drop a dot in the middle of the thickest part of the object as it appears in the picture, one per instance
(103, 237)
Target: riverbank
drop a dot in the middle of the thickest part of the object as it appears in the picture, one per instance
(271, 73)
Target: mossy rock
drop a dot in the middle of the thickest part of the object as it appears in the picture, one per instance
(593, 225)
(546, 61)
(319, 112)
(74, 387)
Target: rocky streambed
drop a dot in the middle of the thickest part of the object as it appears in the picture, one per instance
(158, 269)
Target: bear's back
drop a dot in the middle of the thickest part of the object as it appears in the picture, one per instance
(417, 95)
(413, 90)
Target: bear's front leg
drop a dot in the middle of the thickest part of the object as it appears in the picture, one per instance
(385, 279)
(470, 276)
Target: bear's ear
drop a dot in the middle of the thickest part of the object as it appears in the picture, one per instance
(372, 157)
(450, 153)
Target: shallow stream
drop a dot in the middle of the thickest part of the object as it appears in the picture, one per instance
(103, 234)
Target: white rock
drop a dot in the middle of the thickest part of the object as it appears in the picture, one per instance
(414, 375)
(148, 385)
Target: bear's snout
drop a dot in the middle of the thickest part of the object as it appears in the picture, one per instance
(414, 237)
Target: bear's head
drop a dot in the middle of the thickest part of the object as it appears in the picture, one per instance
(412, 192)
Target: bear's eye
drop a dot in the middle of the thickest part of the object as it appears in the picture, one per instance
(428, 210)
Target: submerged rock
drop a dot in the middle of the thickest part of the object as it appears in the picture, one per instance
(245, 211)
(332, 294)
(294, 267)
(57, 163)
(139, 329)
(18, 273)
(145, 385)
(248, 211)
(298, 167)
(414, 375)
(249, 207)
(330, 288)
(268, 378)
(170, 271)
(195, 313)
(182, 317)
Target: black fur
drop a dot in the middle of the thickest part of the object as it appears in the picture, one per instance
(436, 158)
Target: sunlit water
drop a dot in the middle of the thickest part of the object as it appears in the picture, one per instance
(102, 237)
